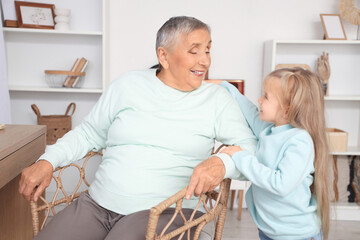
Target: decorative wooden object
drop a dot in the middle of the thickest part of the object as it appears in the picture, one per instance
(323, 69)
(238, 83)
(35, 15)
(333, 27)
(350, 13)
(20, 146)
(337, 140)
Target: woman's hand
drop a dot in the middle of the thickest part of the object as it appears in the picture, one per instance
(217, 81)
(206, 176)
(37, 176)
(230, 150)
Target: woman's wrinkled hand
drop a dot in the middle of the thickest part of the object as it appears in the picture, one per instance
(206, 176)
(230, 150)
(37, 176)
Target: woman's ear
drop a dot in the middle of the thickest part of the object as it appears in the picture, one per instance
(162, 56)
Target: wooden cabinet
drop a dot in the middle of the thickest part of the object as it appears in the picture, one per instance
(20, 146)
(342, 106)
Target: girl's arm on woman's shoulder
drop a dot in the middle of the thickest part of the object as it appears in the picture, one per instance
(250, 111)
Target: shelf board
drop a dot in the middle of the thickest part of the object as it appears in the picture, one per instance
(345, 211)
(317, 41)
(59, 90)
(352, 151)
(50, 31)
(342, 98)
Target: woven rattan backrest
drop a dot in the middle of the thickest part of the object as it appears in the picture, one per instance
(47, 206)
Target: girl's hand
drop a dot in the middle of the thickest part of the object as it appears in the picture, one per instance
(217, 81)
(231, 150)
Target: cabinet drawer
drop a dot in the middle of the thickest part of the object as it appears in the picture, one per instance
(13, 164)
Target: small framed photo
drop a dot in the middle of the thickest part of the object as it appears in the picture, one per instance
(35, 15)
(333, 27)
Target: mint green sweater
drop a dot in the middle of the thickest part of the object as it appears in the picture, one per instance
(153, 136)
(279, 199)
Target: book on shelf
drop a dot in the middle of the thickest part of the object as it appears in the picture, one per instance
(67, 79)
(78, 67)
(82, 70)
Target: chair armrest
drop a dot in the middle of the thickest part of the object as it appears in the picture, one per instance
(43, 205)
(217, 212)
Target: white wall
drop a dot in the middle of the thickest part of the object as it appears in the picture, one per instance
(239, 29)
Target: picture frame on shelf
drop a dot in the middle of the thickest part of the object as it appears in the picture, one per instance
(333, 27)
(35, 15)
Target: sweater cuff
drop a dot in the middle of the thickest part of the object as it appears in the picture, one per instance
(230, 168)
(47, 157)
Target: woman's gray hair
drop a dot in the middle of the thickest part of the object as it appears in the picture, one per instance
(169, 32)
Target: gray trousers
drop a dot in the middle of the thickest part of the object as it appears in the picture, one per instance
(85, 219)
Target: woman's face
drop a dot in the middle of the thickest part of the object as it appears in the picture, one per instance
(185, 65)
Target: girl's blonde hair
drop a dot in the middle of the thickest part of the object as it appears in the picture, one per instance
(303, 95)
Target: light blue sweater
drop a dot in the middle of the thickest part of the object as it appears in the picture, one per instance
(279, 199)
(153, 136)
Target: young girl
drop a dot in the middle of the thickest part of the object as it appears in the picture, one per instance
(288, 198)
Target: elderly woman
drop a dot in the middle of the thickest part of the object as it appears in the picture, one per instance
(156, 126)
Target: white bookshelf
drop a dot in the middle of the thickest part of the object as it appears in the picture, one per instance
(351, 151)
(343, 98)
(343, 103)
(29, 52)
(345, 211)
(54, 90)
(50, 31)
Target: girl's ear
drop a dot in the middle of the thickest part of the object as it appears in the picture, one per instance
(286, 112)
(162, 56)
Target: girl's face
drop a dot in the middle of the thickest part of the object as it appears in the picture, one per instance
(270, 108)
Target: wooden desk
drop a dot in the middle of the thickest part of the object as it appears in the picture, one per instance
(20, 146)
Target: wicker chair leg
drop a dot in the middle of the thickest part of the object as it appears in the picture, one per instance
(35, 217)
(220, 224)
(152, 224)
(221, 219)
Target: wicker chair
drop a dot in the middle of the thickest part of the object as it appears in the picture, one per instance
(216, 211)
(40, 210)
